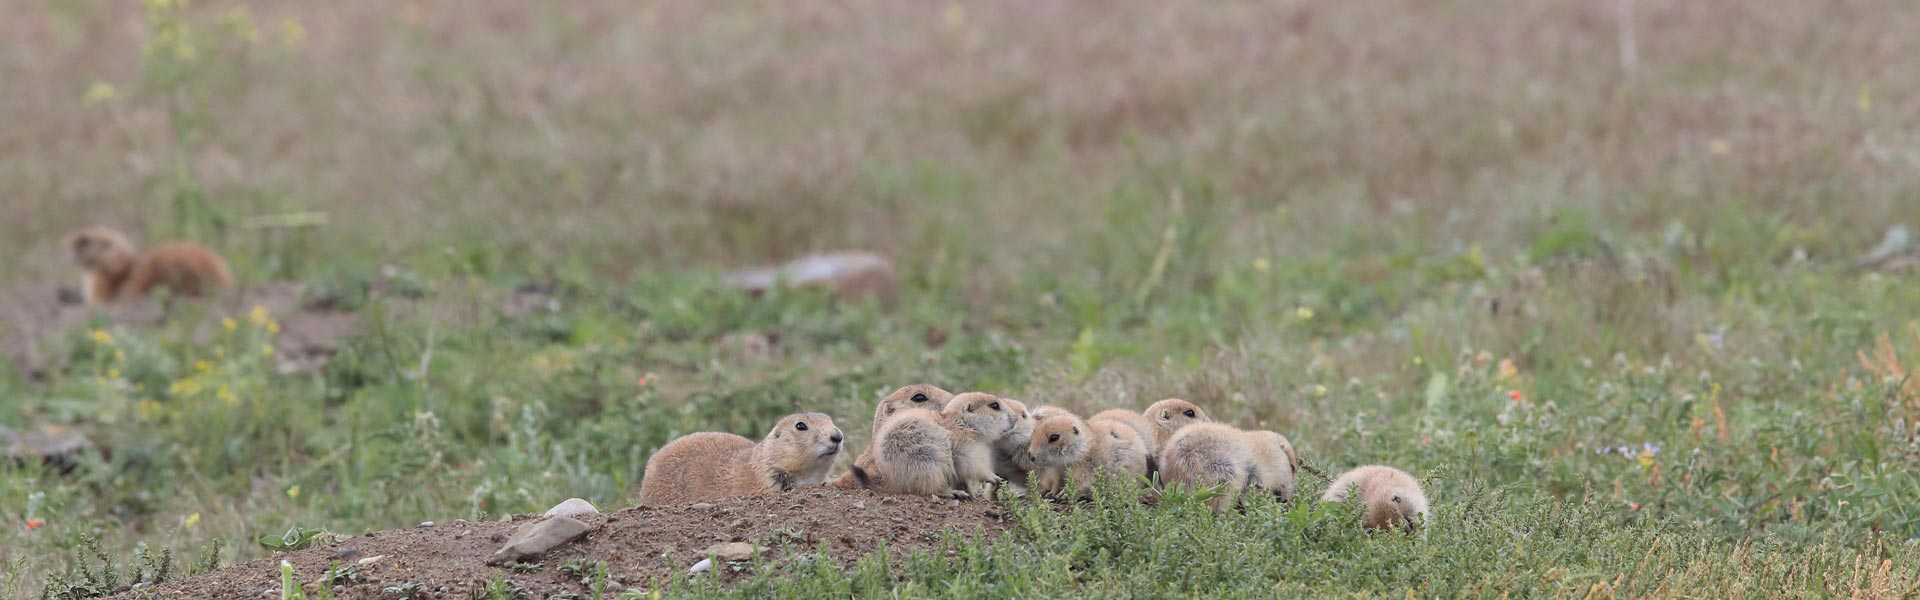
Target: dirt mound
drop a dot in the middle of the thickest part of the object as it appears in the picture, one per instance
(634, 543)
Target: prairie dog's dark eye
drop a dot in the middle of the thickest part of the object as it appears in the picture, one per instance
(994, 405)
(919, 398)
(1189, 413)
(1053, 438)
(800, 426)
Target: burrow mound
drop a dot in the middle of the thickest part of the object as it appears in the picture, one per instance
(641, 546)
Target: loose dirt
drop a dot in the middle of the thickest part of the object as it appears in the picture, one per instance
(641, 546)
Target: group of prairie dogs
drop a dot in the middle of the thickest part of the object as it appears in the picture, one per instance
(927, 441)
(117, 272)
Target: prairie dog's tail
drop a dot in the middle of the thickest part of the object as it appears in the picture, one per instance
(861, 476)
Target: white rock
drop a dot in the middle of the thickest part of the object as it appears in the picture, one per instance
(573, 507)
(703, 566)
(371, 559)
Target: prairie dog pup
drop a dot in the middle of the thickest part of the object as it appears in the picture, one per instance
(1010, 453)
(918, 395)
(1392, 498)
(1065, 447)
(1171, 415)
(1140, 424)
(712, 465)
(925, 453)
(978, 421)
(1274, 463)
(116, 272)
(1209, 454)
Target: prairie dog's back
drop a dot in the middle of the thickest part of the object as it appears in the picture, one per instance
(1208, 454)
(689, 468)
(1390, 496)
(913, 453)
(1273, 463)
(1138, 422)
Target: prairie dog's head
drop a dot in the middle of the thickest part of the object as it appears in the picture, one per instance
(805, 440)
(918, 395)
(1058, 441)
(1022, 429)
(97, 247)
(1173, 413)
(981, 412)
(1118, 435)
(1397, 509)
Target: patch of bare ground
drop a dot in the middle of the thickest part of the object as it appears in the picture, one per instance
(640, 546)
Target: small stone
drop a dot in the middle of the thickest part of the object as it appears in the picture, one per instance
(740, 524)
(702, 506)
(344, 554)
(615, 587)
(850, 275)
(497, 538)
(573, 507)
(723, 511)
(703, 566)
(537, 537)
(612, 518)
(993, 514)
(859, 505)
(732, 551)
(889, 501)
(463, 533)
(371, 559)
(426, 523)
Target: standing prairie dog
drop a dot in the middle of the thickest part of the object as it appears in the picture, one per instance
(1392, 498)
(1275, 465)
(116, 272)
(712, 465)
(918, 395)
(1171, 415)
(1209, 454)
(1064, 447)
(921, 452)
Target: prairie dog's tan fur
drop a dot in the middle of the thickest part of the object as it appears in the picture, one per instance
(1274, 463)
(1171, 415)
(1209, 454)
(924, 453)
(1149, 432)
(117, 272)
(713, 465)
(1392, 498)
(1010, 453)
(918, 395)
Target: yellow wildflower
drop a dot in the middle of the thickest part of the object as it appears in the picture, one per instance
(292, 33)
(100, 91)
(202, 367)
(266, 351)
(192, 519)
(1303, 313)
(1261, 264)
(113, 373)
(259, 316)
(119, 355)
(1319, 390)
(225, 394)
(293, 492)
(100, 336)
(229, 324)
(184, 387)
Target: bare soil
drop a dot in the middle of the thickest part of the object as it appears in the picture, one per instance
(641, 546)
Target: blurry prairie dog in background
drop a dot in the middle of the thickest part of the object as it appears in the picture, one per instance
(116, 272)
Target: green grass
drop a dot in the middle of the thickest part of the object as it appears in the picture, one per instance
(1469, 247)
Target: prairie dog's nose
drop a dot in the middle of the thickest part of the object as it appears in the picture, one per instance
(837, 437)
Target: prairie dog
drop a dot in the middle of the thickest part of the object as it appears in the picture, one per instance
(925, 453)
(1063, 446)
(1209, 454)
(918, 395)
(116, 272)
(712, 465)
(1392, 498)
(1171, 415)
(1010, 453)
(1140, 424)
(978, 421)
(1274, 464)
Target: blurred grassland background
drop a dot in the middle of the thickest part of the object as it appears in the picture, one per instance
(1473, 239)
